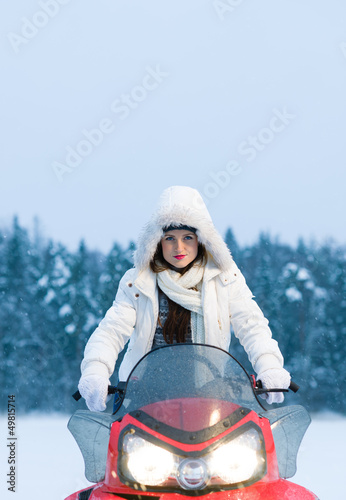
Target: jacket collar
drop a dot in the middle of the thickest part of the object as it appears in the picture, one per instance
(211, 270)
(146, 282)
(226, 277)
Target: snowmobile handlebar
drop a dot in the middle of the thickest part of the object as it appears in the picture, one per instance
(260, 390)
(111, 390)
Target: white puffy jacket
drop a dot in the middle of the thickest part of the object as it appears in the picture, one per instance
(226, 298)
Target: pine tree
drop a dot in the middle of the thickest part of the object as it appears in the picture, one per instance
(19, 345)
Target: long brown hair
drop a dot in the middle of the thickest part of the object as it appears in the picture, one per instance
(178, 319)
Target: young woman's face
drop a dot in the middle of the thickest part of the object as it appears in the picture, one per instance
(179, 247)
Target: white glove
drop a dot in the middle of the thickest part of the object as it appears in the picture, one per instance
(275, 378)
(94, 389)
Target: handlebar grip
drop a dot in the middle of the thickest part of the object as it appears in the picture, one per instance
(77, 395)
(294, 387)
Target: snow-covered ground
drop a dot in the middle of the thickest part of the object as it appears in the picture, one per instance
(49, 463)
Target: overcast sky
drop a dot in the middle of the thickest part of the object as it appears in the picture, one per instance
(104, 104)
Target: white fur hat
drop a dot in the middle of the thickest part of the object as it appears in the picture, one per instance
(181, 205)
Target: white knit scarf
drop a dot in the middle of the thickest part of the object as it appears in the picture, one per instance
(185, 290)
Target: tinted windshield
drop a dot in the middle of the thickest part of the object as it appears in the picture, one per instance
(188, 371)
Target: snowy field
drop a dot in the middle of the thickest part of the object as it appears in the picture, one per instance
(49, 464)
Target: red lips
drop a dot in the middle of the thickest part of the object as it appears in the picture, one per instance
(179, 257)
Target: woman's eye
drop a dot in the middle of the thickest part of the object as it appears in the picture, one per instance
(188, 237)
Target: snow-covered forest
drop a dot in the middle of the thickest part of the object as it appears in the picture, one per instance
(52, 299)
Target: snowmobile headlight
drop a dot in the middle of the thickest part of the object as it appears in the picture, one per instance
(192, 474)
(239, 459)
(147, 463)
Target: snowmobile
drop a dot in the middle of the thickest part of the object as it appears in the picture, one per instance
(189, 423)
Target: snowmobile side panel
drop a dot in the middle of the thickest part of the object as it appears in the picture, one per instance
(91, 430)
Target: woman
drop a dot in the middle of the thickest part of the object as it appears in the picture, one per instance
(184, 287)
